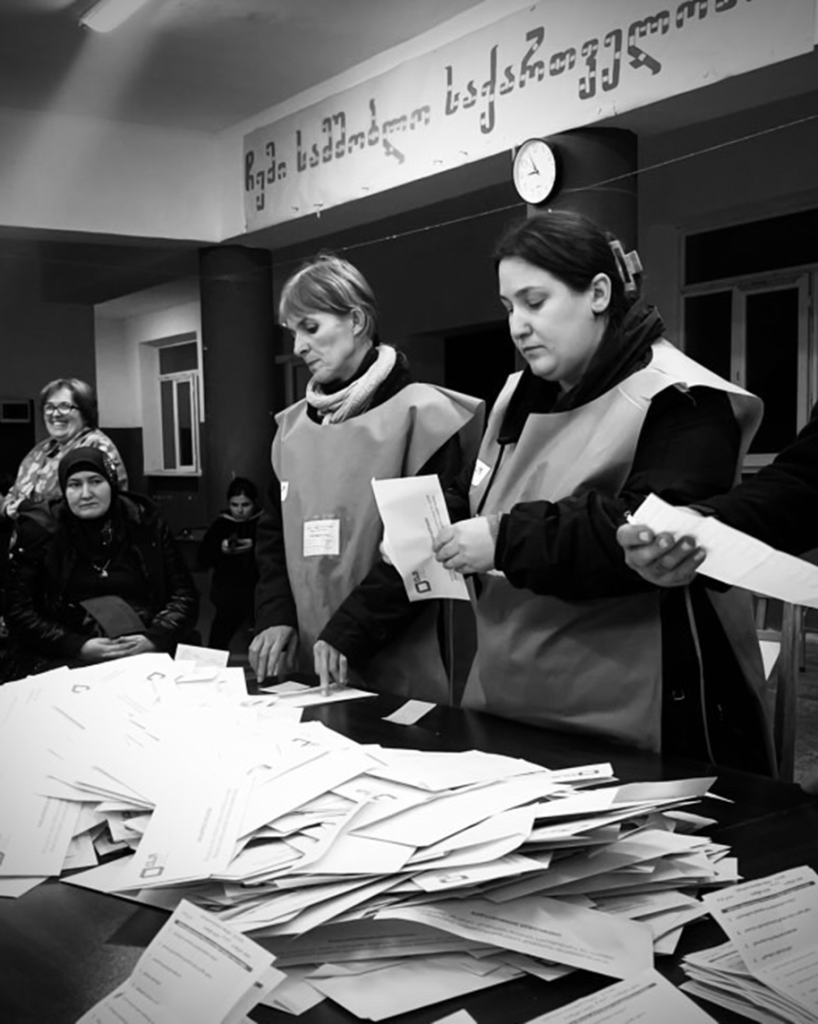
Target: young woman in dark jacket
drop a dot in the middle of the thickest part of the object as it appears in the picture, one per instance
(605, 412)
(94, 575)
(228, 548)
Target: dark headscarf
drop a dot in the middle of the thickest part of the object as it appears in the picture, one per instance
(93, 538)
(86, 459)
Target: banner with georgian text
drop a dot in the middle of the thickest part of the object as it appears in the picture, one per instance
(556, 65)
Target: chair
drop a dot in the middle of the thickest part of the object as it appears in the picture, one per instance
(784, 672)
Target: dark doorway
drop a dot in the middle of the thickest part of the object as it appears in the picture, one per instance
(478, 359)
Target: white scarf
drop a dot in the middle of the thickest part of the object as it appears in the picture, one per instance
(348, 401)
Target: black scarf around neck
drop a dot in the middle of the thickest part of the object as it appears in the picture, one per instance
(96, 540)
(621, 352)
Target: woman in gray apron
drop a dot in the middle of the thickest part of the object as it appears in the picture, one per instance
(605, 412)
(326, 601)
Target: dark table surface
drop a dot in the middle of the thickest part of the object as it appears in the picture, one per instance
(63, 948)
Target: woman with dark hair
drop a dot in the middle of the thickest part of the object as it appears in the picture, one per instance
(93, 575)
(69, 410)
(326, 601)
(228, 548)
(605, 412)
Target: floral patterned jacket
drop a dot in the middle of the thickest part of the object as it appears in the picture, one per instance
(37, 476)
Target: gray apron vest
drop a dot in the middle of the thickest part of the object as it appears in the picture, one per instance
(326, 474)
(594, 665)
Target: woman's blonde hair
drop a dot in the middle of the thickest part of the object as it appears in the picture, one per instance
(329, 284)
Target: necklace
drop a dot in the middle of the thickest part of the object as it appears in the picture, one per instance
(101, 569)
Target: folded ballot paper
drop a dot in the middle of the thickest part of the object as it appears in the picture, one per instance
(734, 557)
(414, 511)
(432, 873)
(768, 971)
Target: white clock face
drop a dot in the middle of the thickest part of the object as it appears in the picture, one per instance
(535, 171)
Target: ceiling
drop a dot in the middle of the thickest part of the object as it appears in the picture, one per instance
(195, 64)
(198, 65)
(206, 65)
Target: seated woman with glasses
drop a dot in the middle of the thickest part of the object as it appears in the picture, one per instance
(94, 575)
(69, 408)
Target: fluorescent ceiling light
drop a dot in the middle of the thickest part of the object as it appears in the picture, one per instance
(106, 15)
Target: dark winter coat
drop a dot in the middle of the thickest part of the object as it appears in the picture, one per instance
(48, 626)
(779, 504)
(234, 575)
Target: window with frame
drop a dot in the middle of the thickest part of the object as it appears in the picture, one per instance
(748, 299)
(172, 409)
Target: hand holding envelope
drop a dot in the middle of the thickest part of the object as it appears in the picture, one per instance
(414, 512)
(467, 546)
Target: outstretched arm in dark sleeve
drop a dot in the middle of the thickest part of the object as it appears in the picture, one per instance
(779, 504)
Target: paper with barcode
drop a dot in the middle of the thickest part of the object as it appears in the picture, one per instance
(414, 511)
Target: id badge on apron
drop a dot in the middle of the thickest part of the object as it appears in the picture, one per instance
(481, 471)
(322, 537)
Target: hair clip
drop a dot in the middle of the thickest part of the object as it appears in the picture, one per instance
(628, 264)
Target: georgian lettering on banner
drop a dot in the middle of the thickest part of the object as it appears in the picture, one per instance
(553, 66)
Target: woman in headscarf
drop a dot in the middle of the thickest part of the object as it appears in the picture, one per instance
(93, 575)
(605, 413)
(326, 601)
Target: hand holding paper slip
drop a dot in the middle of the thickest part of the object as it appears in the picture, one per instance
(414, 511)
(734, 557)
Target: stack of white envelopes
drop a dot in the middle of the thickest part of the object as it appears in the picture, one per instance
(768, 971)
(434, 873)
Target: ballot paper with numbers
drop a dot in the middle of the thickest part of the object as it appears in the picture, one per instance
(771, 961)
(734, 557)
(196, 968)
(414, 511)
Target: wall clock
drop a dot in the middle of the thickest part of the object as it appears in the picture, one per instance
(534, 171)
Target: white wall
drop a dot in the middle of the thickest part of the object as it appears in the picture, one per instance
(82, 174)
(231, 142)
(125, 370)
(117, 374)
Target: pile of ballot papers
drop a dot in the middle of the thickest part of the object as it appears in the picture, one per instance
(768, 971)
(433, 873)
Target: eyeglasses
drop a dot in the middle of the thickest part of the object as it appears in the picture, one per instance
(63, 409)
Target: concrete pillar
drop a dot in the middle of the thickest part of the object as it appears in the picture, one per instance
(238, 356)
(597, 178)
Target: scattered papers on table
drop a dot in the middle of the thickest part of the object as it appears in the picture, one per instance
(734, 557)
(769, 968)
(434, 873)
(414, 511)
(210, 656)
(410, 713)
(645, 997)
(298, 695)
